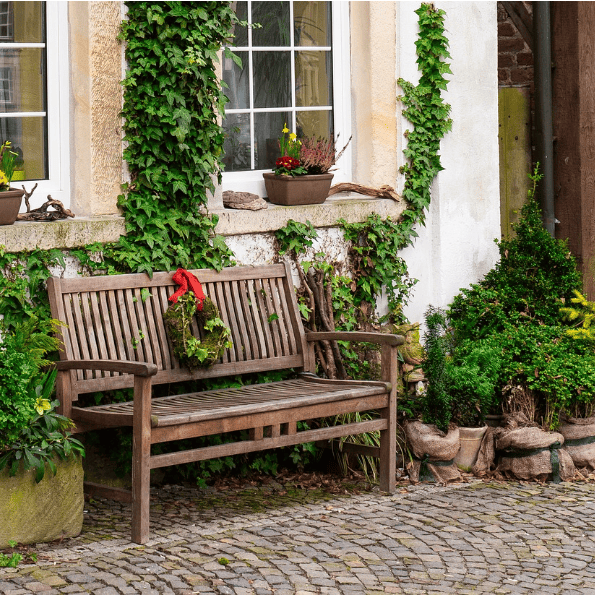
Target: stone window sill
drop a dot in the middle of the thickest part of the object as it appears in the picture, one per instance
(353, 208)
(25, 236)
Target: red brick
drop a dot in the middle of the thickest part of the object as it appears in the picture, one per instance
(505, 60)
(521, 75)
(503, 76)
(511, 44)
(524, 59)
(506, 29)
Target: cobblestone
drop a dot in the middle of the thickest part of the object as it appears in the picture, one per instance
(503, 538)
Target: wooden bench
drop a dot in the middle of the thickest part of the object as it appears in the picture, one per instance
(114, 338)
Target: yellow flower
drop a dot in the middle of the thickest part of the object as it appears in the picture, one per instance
(293, 136)
(42, 405)
(3, 179)
(285, 129)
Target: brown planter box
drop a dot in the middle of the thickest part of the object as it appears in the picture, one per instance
(298, 190)
(10, 203)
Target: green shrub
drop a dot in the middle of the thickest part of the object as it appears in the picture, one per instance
(535, 276)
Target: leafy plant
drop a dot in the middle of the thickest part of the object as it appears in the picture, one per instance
(43, 438)
(295, 237)
(437, 401)
(535, 276)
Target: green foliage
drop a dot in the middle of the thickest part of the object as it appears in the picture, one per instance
(44, 438)
(295, 237)
(22, 354)
(373, 247)
(535, 276)
(437, 400)
(426, 110)
(11, 561)
(472, 381)
(172, 101)
(22, 284)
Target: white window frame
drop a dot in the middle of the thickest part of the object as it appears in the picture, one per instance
(252, 181)
(57, 69)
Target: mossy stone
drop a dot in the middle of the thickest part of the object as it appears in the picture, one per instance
(38, 512)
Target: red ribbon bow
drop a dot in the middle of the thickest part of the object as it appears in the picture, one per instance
(184, 279)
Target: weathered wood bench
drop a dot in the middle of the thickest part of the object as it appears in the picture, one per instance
(114, 338)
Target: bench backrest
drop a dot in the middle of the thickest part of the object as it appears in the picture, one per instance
(120, 317)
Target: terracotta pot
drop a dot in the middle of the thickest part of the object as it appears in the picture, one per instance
(10, 203)
(298, 190)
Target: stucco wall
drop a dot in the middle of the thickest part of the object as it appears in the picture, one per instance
(456, 246)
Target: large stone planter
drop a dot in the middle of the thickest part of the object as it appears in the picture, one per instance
(36, 512)
(299, 190)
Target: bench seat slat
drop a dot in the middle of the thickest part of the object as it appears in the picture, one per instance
(241, 401)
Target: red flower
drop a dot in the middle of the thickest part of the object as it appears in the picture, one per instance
(288, 163)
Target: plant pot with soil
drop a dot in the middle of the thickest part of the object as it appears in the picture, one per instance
(302, 173)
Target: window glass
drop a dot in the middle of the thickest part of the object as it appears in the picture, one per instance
(23, 110)
(286, 71)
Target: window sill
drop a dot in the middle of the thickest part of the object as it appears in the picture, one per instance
(353, 208)
(25, 236)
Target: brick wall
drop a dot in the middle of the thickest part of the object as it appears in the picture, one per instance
(515, 58)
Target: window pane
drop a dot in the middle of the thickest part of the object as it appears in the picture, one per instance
(28, 138)
(313, 78)
(274, 18)
(237, 79)
(21, 80)
(240, 33)
(268, 128)
(272, 79)
(21, 22)
(312, 23)
(237, 142)
(315, 124)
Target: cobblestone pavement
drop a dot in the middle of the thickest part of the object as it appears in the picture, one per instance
(465, 538)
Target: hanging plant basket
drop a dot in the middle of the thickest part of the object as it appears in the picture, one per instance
(297, 190)
(10, 204)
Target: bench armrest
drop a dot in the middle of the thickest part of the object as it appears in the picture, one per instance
(106, 365)
(378, 338)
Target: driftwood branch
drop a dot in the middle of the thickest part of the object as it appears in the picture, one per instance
(42, 213)
(382, 192)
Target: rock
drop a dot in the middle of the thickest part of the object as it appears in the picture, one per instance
(243, 200)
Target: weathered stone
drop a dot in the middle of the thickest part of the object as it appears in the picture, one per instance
(243, 200)
(35, 512)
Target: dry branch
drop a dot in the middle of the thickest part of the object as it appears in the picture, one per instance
(382, 192)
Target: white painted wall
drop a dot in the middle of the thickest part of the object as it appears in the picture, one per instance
(456, 246)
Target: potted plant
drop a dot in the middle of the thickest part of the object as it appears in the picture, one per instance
(10, 198)
(41, 476)
(302, 173)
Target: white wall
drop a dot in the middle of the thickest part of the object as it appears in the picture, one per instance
(456, 246)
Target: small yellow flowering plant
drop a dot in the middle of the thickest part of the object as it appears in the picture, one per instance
(7, 165)
(289, 162)
(309, 156)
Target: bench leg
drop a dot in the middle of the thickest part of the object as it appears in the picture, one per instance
(388, 437)
(141, 454)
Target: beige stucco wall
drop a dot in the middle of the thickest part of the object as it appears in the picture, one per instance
(374, 92)
(96, 103)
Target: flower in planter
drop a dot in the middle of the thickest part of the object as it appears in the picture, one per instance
(7, 165)
(306, 156)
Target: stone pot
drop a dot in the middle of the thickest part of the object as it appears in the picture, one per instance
(38, 512)
(299, 190)
(10, 204)
(470, 443)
